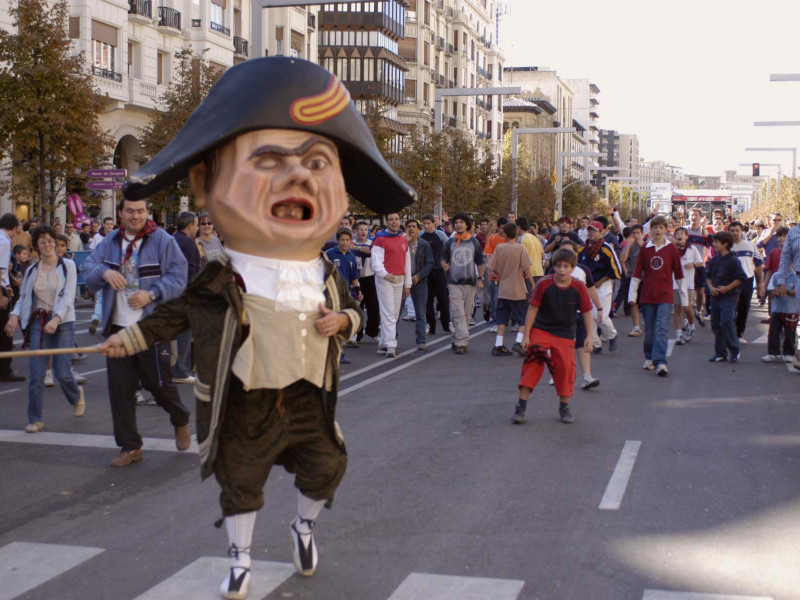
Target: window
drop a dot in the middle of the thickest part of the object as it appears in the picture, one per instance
(369, 69)
(161, 63)
(217, 14)
(103, 55)
(104, 49)
(355, 68)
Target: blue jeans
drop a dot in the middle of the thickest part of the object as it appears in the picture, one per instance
(723, 313)
(494, 289)
(656, 333)
(419, 297)
(64, 337)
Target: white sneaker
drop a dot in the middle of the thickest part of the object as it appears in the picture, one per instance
(589, 382)
(79, 379)
(187, 379)
(662, 371)
(493, 329)
(515, 327)
(679, 339)
(648, 365)
(742, 341)
(771, 358)
(48, 378)
(472, 321)
(787, 358)
(34, 427)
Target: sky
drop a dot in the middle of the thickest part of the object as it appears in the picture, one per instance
(689, 78)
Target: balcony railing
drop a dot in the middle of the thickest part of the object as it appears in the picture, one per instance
(140, 7)
(448, 49)
(451, 121)
(240, 45)
(312, 21)
(106, 73)
(440, 43)
(197, 22)
(220, 28)
(169, 17)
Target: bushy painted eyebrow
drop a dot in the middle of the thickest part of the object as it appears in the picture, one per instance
(298, 151)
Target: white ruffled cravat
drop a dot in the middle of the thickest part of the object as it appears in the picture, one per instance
(292, 284)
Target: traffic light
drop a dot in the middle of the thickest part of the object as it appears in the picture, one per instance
(756, 169)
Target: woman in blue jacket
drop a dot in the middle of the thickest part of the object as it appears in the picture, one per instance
(46, 313)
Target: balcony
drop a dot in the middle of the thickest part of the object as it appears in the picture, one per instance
(107, 73)
(169, 17)
(451, 121)
(368, 20)
(451, 83)
(240, 46)
(197, 22)
(141, 8)
(312, 21)
(448, 49)
(440, 43)
(220, 28)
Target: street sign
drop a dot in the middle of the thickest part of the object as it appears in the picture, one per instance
(101, 173)
(111, 184)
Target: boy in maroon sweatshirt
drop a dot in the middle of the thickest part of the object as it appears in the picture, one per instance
(659, 262)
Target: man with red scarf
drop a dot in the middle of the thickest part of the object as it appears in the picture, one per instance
(138, 267)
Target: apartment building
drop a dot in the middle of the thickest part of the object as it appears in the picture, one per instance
(129, 48)
(620, 150)
(584, 109)
(658, 171)
(359, 42)
(451, 44)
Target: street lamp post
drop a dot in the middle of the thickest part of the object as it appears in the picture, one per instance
(559, 174)
(610, 179)
(437, 117)
(515, 153)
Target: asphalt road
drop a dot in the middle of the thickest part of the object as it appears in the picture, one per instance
(676, 488)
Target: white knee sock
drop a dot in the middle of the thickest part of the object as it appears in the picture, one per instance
(307, 510)
(240, 536)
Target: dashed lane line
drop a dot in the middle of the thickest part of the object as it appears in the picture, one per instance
(615, 491)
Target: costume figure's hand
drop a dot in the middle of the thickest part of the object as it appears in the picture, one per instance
(331, 323)
(113, 347)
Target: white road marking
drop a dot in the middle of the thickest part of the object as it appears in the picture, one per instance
(670, 347)
(12, 390)
(24, 566)
(663, 595)
(425, 356)
(619, 478)
(201, 579)
(86, 440)
(760, 340)
(404, 353)
(421, 586)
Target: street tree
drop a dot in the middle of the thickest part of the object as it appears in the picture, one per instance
(49, 109)
(189, 86)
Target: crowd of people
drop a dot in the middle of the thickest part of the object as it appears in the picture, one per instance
(660, 273)
(430, 271)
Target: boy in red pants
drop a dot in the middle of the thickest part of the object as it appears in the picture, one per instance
(550, 327)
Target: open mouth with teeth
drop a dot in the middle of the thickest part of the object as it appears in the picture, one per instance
(293, 209)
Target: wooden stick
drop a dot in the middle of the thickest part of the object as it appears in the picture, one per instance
(50, 352)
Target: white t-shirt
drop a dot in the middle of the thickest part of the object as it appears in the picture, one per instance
(124, 315)
(748, 255)
(688, 260)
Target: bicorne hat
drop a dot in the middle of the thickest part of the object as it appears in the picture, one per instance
(278, 93)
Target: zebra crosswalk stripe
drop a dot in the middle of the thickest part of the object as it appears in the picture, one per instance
(201, 579)
(24, 566)
(422, 586)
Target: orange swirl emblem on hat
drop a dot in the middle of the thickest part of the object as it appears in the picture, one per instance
(316, 109)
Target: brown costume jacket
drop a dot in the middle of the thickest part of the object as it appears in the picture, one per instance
(212, 307)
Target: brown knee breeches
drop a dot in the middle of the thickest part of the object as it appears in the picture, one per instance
(261, 428)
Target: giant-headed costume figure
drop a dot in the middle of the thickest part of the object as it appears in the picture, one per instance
(271, 154)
